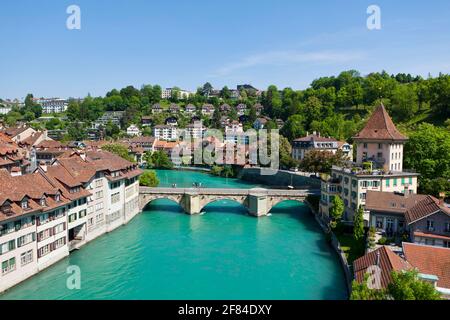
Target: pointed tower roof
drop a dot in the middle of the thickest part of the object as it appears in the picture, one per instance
(380, 127)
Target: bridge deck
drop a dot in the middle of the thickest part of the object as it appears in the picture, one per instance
(236, 192)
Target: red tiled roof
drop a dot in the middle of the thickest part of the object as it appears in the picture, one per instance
(315, 137)
(388, 262)
(391, 202)
(424, 208)
(380, 127)
(33, 186)
(431, 235)
(430, 260)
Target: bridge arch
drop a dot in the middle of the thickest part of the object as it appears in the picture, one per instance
(274, 202)
(148, 199)
(207, 200)
(242, 204)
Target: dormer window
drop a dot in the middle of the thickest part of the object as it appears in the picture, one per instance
(42, 202)
(24, 204)
(57, 197)
(6, 208)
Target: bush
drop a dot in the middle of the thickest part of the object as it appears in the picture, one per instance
(149, 179)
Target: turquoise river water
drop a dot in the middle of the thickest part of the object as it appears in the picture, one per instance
(222, 254)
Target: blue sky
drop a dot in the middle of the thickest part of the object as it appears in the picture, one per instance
(186, 43)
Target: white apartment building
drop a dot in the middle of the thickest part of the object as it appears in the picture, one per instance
(195, 130)
(314, 141)
(53, 105)
(60, 208)
(133, 130)
(167, 93)
(165, 132)
(4, 109)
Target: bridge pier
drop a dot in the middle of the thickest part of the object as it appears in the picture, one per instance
(258, 205)
(192, 203)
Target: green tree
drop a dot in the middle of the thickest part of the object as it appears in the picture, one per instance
(149, 179)
(321, 161)
(428, 152)
(294, 127)
(160, 160)
(440, 95)
(285, 149)
(336, 211)
(408, 286)
(358, 224)
(360, 291)
(272, 102)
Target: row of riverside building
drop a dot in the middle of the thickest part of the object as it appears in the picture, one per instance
(59, 207)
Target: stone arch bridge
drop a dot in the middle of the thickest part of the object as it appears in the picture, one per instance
(258, 201)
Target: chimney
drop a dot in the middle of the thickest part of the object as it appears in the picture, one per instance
(378, 258)
(43, 166)
(441, 198)
(406, 191)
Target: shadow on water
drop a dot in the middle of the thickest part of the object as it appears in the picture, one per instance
(225, 206)
(164, 205)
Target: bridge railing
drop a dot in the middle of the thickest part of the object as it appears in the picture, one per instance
(212, 191)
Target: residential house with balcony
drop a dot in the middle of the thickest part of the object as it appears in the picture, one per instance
(133, 130)
(146, 121)
(314, 141)
(190, 109)
(380, 148)
(156, 108)
(174, 108)
(425, 219)
(241, 109)
(207, 110)
(165, 132)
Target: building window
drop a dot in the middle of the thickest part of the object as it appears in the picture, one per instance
(430, 225)
(388, 182)
(24, 240)
(410, 180)
(395, 182)
(26, 258)
(59, 228)
(24, 204)
(72, 217)
(59, 243)
(82, 214)
(8, 265)
(365, 145)
(7, 246)
(447, 227)
(380, 146)
(115, 198)
(44, 250)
